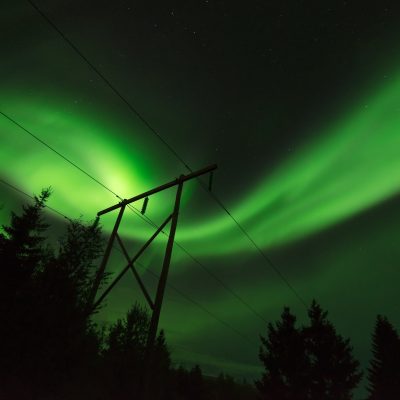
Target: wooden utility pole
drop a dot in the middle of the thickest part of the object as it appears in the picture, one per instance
(157, 304)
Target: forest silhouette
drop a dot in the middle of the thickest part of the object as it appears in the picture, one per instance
(52, 348)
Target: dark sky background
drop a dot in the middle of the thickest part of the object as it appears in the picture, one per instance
(297, 102)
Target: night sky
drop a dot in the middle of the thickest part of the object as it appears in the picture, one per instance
(297, 102)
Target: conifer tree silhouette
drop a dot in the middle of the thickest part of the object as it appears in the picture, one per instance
(124, 353)
(334, 373)
(384, 370)
(311, 363)
(22, 256)
(22, 249)
(227, 388)
(47, 340)
(284, 358)
(188, 384)
(68, 338)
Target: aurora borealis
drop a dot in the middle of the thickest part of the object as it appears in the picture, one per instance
(324, 184)
(300, 108)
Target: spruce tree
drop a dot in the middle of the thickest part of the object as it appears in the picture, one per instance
(47, 340)
(283, 356)
(310, 363)
(22, 249)
(384, 370)
(123, 357)
(23, 254)
(79, 250)
(333, 371)
(64, 333)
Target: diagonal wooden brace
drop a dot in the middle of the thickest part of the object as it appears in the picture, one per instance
(131, 262)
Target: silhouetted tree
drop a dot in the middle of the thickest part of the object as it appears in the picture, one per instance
(22, 250)
(284, 359)
(311, 363)
(124, 353)
(180, 382)
(196, 383)
(188, 384)
(225, 387)
(79, 250)
(47, 338)
(22, 255)
(71, 342)
(161, 385)
(334, 373)
(384, 370)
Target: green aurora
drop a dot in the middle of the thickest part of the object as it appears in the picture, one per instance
(323, 184)
(326, 212)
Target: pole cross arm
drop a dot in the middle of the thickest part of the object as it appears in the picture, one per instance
(181, 179)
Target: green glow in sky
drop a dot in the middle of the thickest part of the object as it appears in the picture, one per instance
(31, 165)
(318, 189)
(352, 165)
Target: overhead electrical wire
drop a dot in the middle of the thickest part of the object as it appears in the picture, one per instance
(146, 219)
(221, 282)
(172, 150)
(199, 305)
(174, 288)
(106, 81)
(259, 249)
(65, 158)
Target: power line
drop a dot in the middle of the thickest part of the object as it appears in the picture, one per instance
(178, 291)
(170, 148)
(64, 158)
(226, 287)
(222, 322)
(148, 220)
(56, 152)
(190, 300)
(215, 277)
(261, 252)
(179, 245)
(208, 271)
(106, 81)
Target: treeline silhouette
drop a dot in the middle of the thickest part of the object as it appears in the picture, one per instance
(51, 348)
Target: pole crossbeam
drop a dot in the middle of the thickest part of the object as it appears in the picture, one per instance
(181, 179)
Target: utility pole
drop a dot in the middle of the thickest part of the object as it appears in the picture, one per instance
(157, 304)
(155, 317)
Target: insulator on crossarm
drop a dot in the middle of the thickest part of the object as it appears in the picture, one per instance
(144, 207)
(210, 181)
